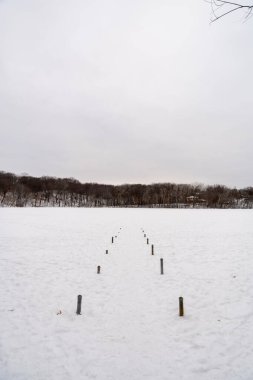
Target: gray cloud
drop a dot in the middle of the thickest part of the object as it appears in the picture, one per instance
(125, 91)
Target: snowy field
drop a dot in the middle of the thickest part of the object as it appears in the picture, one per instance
(129, 328)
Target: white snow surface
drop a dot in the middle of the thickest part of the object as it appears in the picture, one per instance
(129, 328)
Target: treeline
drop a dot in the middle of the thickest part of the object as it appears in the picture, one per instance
(24, 190)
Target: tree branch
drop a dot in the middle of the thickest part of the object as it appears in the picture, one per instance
(228, 7)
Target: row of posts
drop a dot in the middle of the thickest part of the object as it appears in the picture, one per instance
(79, 297)
(181, 300)
(106, 252)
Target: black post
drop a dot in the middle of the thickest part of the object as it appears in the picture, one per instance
(79, 304)
(112, 239)
(152, 249)
(147, 241)
(98, 269)
(106, 252)
(144, 235)
(181, 307)
(161, 262)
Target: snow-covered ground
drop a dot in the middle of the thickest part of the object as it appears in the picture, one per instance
(129, 328)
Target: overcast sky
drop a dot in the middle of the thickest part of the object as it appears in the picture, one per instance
(117, 91)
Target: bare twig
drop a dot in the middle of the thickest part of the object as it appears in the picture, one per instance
(249, 14)
(227, 7)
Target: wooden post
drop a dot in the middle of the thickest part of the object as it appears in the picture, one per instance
(106, 252)
(112, 240)
(161, 262)
(79, 304)
(152, 249)
(181, 307)
(147, 241)
(98, 270)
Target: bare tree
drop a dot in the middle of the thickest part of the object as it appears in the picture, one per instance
(221, 8)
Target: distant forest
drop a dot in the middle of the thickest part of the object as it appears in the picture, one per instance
(24, 190)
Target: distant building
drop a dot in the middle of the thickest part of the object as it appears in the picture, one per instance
(195, 201)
